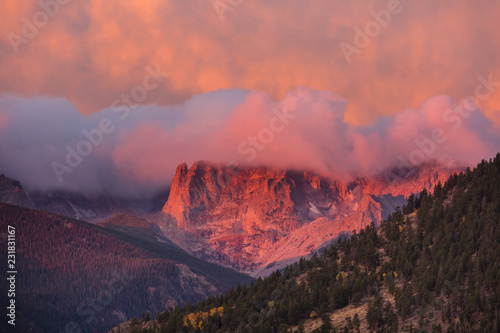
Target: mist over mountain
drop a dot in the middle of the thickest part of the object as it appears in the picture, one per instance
(307, 130)
(95, 207)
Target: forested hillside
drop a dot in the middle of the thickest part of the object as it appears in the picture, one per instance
(432, 266)
(76, 276)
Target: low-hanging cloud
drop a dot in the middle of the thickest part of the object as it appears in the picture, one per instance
(307, 129)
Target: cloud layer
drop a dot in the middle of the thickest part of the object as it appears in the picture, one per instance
(235, 87)
(305, 130)
(92, 51)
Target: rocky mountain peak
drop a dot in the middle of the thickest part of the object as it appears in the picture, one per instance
(252, 194)
(251, 218)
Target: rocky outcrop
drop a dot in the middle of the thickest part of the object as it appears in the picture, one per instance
(80, 206)
(207, 194)
(87, 207)
(253, 219)
(12, 192)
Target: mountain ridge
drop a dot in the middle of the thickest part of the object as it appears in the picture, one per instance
(66, 264)
(432, 266)
(252, 219)
(95, 208)
(256, 219)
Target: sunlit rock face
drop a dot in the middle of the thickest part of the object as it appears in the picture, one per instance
(260, 219)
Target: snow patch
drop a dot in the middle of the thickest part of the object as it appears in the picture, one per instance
(313, 209)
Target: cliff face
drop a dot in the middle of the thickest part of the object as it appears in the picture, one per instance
(205, 194)
(259, 219)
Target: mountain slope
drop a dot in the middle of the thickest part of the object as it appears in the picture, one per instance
(259, 219)
(131, 230)
(12, 192)
(87, 277)
(139, 228)
(432, 266)
(95, 207)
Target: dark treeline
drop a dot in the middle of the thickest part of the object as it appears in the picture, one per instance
(89, 278)
(438, 257)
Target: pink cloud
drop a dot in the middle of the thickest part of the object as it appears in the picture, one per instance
(306, 129)
(315, 137)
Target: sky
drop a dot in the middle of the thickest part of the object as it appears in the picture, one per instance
(99, 94)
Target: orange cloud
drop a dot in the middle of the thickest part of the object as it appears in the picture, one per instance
(92, 51)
